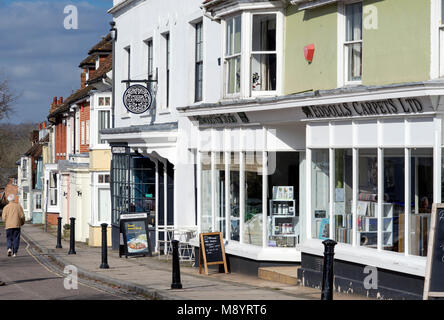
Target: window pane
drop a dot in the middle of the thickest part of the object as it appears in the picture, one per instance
(353, 14)
(422, 199)
(234, 195)
(233, 77)
(343, 217)
(229, 39)
(283, 196)
(104, 123)
(253, 198)
(104, 204)
(354, 54)
(264, 32)
(394, 204)
(263, 72)
(220, 193)
(367, 209)
(237, 35)
(205, 186)
(320, 193)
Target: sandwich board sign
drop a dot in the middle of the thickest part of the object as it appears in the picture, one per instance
(135, 235)
(211, 251)
(434, 279)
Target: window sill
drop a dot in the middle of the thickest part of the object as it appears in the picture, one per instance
(388, 260)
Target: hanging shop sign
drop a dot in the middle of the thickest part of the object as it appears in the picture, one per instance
(366, 108)
(222, 119)
(211, 251)
(134, 235)
(434, 279)
(137, 99)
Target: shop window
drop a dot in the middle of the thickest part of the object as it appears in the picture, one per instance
(119, 186)
(220, 192)
(205, 192)
(393, 219)
(367, 204)
(263, 56)
(343, 195)
(53, 189)
(25, 201)
(38, 202)
(283, 197)
(234, 196)
(353, 42)
(253, 199)
(422, 199)
(142, 184)
(233, 55)
(320, 193)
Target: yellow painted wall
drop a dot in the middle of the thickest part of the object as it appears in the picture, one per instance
(100, 160)
(95, 236)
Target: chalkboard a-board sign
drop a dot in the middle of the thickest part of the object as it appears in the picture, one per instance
(211, 251)
(434, 279)
(134, 231)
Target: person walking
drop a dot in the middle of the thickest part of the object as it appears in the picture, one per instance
(14, 218)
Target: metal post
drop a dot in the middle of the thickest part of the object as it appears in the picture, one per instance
(176, 266)
(327, 278)
(72, 239)
(104, 264)
(59, 233)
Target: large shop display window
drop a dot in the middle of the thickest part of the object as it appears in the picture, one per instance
(395, 167)
(320, 173)
(220, 192)
(234, 196)
(253, 199)
(283, 193)
(205, 192)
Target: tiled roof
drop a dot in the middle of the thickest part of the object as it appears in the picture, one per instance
(104, 46)
(88, 61)
(35, 150)
(79, 94)
(105, 67)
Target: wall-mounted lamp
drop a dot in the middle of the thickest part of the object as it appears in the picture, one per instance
(113, 31)
(79, 193)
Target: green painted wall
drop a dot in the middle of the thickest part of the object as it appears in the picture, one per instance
(397, 51)
(318, 26)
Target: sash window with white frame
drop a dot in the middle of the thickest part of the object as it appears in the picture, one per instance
(233, 53)
(199, 63)
(104, 123)
(353, 42)
(263, 54)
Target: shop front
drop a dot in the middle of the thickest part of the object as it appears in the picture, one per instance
(375, 170)
(250, 174)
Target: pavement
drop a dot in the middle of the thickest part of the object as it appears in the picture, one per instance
(152, 276)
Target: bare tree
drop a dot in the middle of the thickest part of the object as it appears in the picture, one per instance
(7, 98)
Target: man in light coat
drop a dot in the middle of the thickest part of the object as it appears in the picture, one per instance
(14, 218)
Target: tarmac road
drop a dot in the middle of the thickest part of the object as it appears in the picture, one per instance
(31, 276)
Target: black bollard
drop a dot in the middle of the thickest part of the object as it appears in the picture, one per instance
(104, 264)
(72, 239)
(59, 233)
(327, 278)
(176, 266)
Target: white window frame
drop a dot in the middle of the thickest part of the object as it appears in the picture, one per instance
(35, 202)
(342, 46)
(246, 53)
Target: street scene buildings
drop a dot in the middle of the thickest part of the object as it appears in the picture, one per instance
(279, 124)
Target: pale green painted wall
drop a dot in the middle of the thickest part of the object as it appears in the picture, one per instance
(303, 28)
(397, 51)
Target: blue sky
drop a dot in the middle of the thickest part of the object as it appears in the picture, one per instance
(39, 56)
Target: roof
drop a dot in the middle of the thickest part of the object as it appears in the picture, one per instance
(76, 96)
(105, 67)
(104, 46)
(88, 61)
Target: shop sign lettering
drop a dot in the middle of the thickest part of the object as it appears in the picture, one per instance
(365, 108)
(228, 118)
